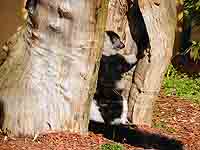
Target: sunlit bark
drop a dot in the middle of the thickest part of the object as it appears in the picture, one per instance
(49, 76)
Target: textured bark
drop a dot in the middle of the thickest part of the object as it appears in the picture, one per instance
(160, 20)
(147, 28)
(49, 76)
(10, 18)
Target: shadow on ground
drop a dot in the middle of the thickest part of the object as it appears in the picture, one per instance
(135, 137)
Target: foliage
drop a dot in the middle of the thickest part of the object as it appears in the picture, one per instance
(112, 147)
(192, 7)
(195, 50)
(192, 11)
(182, 85)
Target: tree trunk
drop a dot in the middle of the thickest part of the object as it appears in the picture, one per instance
(147, 28)
(178, 44)
(160, 20)
(49, 76)
(9, 26)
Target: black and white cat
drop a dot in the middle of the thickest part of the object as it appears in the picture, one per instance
(108, 105)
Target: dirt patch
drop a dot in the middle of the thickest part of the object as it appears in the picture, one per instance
(176, 127)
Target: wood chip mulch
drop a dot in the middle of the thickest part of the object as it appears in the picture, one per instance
(176, 127)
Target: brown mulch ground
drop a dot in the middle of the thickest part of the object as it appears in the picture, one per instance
(179, 118)
(176, 127)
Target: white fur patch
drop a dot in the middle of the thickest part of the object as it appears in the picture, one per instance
(95, 114)
(124, 116)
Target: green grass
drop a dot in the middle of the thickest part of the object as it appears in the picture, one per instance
(112, 147)
(182, 85)
(163, 125)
